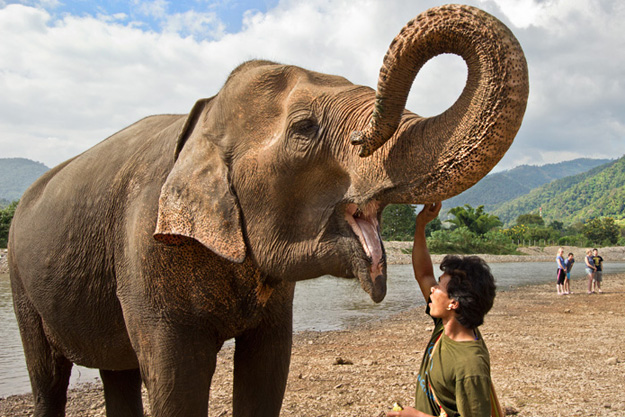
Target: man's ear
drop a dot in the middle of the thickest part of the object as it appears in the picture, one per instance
(196, 201)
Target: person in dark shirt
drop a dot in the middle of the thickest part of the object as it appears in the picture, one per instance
(568, 263)
(598, 277)
(560, 272)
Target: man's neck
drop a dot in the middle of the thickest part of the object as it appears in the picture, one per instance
(457, 332)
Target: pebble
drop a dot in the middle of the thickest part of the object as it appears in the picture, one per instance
(341, 361)
(612, 361)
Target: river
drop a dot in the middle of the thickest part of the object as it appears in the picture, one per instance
(321, 304)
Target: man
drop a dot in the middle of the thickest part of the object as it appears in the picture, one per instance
(598, 277)
(454, 378)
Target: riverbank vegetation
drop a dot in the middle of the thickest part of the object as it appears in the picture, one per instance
(6, 215)
(473, 230)
(470, 230)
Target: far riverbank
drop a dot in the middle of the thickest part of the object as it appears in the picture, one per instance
(395, 254)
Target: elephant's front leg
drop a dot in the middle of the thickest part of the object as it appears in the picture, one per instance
(261, 362)
(177, 367)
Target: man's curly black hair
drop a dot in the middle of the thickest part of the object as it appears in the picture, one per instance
(472, 285)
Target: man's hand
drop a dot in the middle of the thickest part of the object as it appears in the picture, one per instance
(428, 213)
(407, 412)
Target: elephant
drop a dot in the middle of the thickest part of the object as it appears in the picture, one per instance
(141, 256)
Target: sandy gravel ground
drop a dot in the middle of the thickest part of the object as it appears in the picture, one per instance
(551, 356)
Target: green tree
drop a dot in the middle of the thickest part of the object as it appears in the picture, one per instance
(557, 225)
(433, 226)
(602, 231)
(6, 215)
(462, 241)
(538, 233)
(476, 220)
(530, 219)
(398, 222)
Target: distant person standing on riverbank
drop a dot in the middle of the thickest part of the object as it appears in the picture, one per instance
(590, 269)
(598, 260)
(560, 272)
(454, 378)
(568, 263)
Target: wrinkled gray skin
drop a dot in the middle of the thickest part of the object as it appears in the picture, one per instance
(144, 254)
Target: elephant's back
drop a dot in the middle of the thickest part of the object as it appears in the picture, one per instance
(104, 160)
(65, 221)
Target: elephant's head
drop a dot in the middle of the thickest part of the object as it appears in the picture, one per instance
(293, 168)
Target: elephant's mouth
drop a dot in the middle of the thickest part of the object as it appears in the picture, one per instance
(365, 225)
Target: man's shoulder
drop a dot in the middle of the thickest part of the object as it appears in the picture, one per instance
(473, 361)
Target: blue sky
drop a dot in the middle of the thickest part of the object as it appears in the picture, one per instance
(74, 72)
(153, 15)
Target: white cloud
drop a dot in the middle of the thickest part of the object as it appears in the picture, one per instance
(523, 13)
(154, 8)
(67, 82)
(201, 25)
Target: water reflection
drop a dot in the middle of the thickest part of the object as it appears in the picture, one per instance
(13, 374)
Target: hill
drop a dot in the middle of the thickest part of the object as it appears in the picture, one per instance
(16, 175)
(497, 188)
(597, 193)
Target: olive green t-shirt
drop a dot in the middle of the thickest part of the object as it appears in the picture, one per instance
(459, 375)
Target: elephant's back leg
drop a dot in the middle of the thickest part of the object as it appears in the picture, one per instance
(48, 369)
(122, 393)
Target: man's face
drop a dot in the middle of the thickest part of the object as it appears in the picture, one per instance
(595, 252)
(439, 298)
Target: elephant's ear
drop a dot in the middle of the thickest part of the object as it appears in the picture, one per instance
(196, 201)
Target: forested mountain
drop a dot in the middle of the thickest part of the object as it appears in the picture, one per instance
(596, 193)
(583, 189)
(16, 175)
(495, 189)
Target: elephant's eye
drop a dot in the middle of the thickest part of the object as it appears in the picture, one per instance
(306, 127)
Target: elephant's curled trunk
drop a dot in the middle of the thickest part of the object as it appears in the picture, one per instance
(461, 145)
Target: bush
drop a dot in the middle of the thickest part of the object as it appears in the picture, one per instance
(573, 240)
(462, 241)
(495, 242)
(6, 215)
(458, 240)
